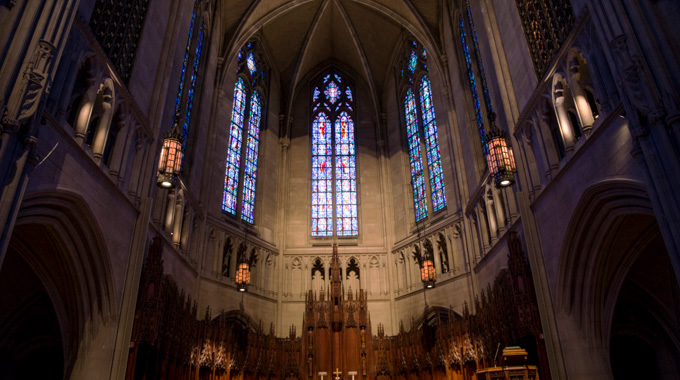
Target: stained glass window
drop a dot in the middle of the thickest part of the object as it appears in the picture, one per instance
(250, 173)
(434, 162)
(332, 92)
(189, 72)
(322, 177)
(334, 183)
(421, 125)
(412, 62)
(345, 177)
(231, 177)
(251, 63)
(473, 88)
(244, 136)
(415, 157)
(192, 85)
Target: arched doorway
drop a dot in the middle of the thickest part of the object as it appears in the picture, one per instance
(56, 288)
(617, 289)
(29, 328)
(644, 331)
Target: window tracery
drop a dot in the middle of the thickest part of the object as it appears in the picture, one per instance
(249, 91)
(546, 24)
(334, 186)
(421, 126)
(117, 26)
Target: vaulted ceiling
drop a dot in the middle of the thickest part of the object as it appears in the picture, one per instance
(301, 34)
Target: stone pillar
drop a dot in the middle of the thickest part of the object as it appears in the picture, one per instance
(102, 132)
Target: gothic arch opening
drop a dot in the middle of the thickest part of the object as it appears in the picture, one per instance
(616, 282)
(29, 326)
(56, 286)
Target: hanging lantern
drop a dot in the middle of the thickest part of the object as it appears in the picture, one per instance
(500, 159)
(170, 162)
(243, 277)
(428, 274)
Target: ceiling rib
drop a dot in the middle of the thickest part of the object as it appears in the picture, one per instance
(362, 55)
(303, 52)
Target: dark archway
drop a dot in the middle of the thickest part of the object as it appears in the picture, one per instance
(616, 282)
(29, 329)
(55, 280)
(643, 329)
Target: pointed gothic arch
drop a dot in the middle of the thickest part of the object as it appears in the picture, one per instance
(58, 238)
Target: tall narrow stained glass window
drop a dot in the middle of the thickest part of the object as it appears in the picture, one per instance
(473, 60)
(190, 71)
(434, 162)
(250, 174)
(231, 180)
(415, 156)
(421, 125)
(334, 184)
(240, 181)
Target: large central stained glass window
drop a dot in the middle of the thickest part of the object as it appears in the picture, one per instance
(421, 126)
(334, 176)
(246, 118)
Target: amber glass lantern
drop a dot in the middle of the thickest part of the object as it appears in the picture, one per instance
(428, 274)
(242, 277)
(170, 162)
(500, 160)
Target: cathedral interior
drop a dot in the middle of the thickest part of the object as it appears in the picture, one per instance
(339, 189)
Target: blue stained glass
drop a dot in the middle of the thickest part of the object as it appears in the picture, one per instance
(192, 85)
(334, 183)
(322, 176)
(412, 62)
(231, 177)
(434, 164)
(178, 100)
(345, 177)
(414, 44)
(415, 158)
(250, 172)
(424, 54)
(240, 55)
(473, 87)
(332, 92)
(480, 64)
(250, 61)
(315, 94)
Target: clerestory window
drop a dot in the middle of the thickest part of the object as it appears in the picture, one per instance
(246, 119)
(334, 177)
(427, 181)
